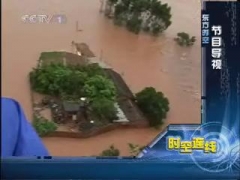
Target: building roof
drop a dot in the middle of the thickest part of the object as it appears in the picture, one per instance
(122, 88)
(71, 107)
(74, 59)
(125, 97)
(131, 110)
(84, 49)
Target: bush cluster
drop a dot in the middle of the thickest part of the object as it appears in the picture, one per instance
(43, 126)
(184, 39)
(112, 151)
(153, 104)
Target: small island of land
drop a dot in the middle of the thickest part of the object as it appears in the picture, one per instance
(75, 95)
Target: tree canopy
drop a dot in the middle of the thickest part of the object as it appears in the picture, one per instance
(184, 39)
(70, 83)
(57, 80)
(103, 109)
(148, 15)
(153, 104)
(99, 87)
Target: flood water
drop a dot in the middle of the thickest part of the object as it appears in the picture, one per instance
(143, 61)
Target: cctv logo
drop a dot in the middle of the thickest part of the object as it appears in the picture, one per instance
(44, 19)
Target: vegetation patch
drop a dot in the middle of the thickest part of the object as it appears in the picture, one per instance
(154, 105)
(184, 39)
(111, 151)
(43, 126)
(148, 15)
(60, 80)
(135, 149)
(71, 84)
(104, 109)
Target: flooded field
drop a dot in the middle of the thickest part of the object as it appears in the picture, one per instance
(143, 61)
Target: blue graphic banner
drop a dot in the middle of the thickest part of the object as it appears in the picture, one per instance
(206, 151)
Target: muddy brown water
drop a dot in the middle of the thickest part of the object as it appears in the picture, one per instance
(143, 61)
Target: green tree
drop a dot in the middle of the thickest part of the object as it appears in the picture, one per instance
(109, 7)
(184, 39)
(120, 14)
(148, 15)
(138, 6)
(134, 24)
(103, 109)
(100, 87)
(126, 3)
(153, 104)
(49, 79)
(112, 151)
(112, 1)
(68, 81)
(73, 83)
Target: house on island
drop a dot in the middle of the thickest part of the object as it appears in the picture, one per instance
(128, 111)
(71, 110)
(75, 110)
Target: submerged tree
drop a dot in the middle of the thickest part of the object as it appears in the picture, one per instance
(154, 105)
(112, 151)
(184, 39)
(148, 15)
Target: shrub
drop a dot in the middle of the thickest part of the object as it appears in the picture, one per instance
(135, 149)
(112, 151)
(99, 87)
(184, 39)
(43, 126)
(49, 79)
(153, 104)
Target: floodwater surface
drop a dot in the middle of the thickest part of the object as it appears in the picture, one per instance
(142, 60)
